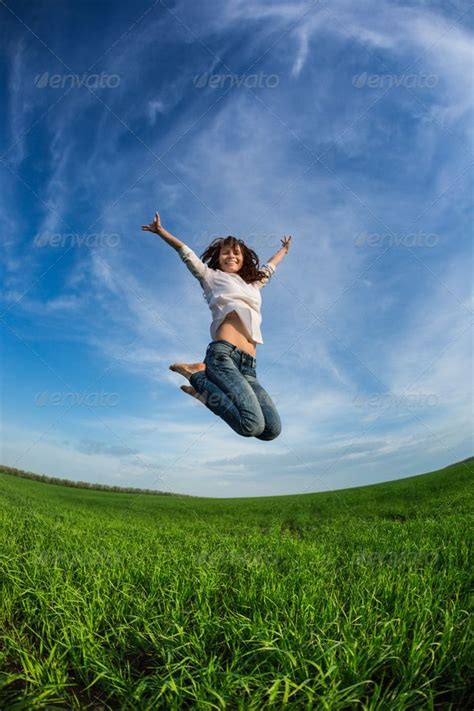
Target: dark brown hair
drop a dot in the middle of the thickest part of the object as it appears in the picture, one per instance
(250, 270)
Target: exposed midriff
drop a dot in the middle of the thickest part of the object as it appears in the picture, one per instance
(233, 330)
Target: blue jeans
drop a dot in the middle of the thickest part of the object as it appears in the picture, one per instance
(231, 389)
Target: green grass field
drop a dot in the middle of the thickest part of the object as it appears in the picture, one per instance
(354, 599)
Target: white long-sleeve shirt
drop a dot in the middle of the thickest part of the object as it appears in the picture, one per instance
(227, 291)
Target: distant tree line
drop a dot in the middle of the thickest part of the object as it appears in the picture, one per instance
(83, 484)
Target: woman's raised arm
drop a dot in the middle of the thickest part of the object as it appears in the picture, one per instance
(195, 265)
(157, 228)
(278, 256)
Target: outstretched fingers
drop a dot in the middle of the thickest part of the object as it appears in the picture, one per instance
(153, 226)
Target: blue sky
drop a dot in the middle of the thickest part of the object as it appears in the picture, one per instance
(348, 126)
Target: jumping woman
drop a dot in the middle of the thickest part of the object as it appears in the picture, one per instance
(226, 382)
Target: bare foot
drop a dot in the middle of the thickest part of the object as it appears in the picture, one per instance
(191, 391)
(187, 369)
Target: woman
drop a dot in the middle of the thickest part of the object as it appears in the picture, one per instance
(226, 382)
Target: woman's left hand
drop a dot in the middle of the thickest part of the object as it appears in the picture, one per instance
(286, 242)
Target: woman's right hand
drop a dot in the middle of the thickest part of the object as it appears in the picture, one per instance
(154, 226)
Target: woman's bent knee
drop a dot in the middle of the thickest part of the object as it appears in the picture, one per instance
(267, 436)
(270, 433)
(252, 428)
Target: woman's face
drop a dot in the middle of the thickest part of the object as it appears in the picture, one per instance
(231, 259)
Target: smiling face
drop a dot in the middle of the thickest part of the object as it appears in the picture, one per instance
(231, 259)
